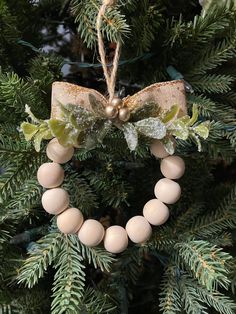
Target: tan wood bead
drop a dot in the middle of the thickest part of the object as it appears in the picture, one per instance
(167, 191)
(50, 175)
(55, 201)
(156, 212)
(172, 167)
(158, 150)
(58, 153)
(116, 239)
(138, 229)
(70, 221)
(91, 233)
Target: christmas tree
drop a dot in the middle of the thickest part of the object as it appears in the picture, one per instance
(188, 264)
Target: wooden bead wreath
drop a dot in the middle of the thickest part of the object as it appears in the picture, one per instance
(73, 107)
(84, 103)
(91, 232)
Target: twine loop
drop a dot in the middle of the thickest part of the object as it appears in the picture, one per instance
(110, 77)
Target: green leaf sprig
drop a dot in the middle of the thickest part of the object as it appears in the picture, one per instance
(76, 127)
(189, 127)
(39, 129)
(80, 127)
(165, 127)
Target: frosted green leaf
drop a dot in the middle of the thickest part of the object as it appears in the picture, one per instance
(146, 110)
(64, 132)
(131, 135)
(202, 130)
(29, 130)
(69, 138)
(179, 129)
(72, 120)
(32, 116)
(169, 145)
(171, 114)
(197, 140)
(57, 127)
(42, 134)
(185, 119)
(80, 117)
(95, 135)
(103, 130)
(151, 127)
(194, 115)
(97, 106)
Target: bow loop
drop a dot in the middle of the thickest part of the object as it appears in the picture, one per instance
(165, 95)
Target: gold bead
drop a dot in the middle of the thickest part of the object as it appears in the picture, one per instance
(116, 102)
(111, 112)
(124, 114)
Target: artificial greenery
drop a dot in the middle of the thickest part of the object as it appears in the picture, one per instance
(188, 265)
(80, 127)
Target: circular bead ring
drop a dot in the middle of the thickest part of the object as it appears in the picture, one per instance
(91, 232)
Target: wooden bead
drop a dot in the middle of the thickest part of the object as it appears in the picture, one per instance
(124, 114)
(58, 153)
(138, 229)
(116, 239)
(172, 167)
(158, 149)
(91, 233)
(116, 102)
(156, 212)
(56, 200)
(70, 221)
(50, 175)
(167, 191)
(111, 112)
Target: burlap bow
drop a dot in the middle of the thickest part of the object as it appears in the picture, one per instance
(165, 94)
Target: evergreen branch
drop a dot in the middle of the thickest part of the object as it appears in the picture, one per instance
(97, 256)
(184, 220)
(214, 57)
(114, 27)
(69, 279)
(210, 109)
(15, 94)
(22, 201)
(24, 301)
(215, 299)
(81, 194)
(17, 173)
(211, 83)
(217, 221)
(127, 268)
(112, 189)
(40, 258)
(232, 275)
(201, 30)
(190, 297)
(228, 98)
(97, 302)
(44, 69)
(161, 239)
(223, 239)
(207, 262)
(170, 299)
(13, 144)
(4, 234)
(145, 25)
(221, 148)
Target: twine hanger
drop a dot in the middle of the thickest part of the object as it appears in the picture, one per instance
(109, 77)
